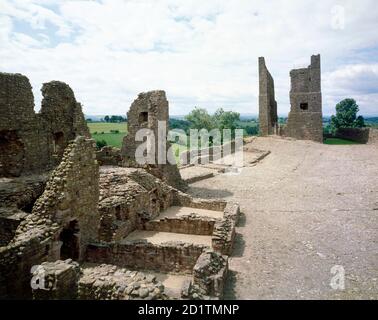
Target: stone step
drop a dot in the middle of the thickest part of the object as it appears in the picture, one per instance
(159, 238)
(185, 220)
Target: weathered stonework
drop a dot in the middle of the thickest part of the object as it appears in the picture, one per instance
(267, 103)
(305, 117)
(361, 135)
(63, 220)
(59, 279)
(61, 216)
(146, 112)
(109, 156)
(34, 142)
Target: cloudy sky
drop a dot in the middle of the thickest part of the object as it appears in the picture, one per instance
(201, 52)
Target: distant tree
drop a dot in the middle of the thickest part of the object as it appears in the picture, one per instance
(89, 120)
(179, 124)
(100, 144)
(107, 118)
(200, 119)
(226, 119)
(346, 116)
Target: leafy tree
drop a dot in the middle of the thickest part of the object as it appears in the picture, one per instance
(107, 118)
(199, 119)
(346, 115)
(226, 120)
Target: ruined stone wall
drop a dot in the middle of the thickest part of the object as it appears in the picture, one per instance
(360, 135)
(373, 136)
(128, 198)
(34, 142)
(109, 156)
(167, 257)
(305, 117)
(267, 103)
(71, 194)
(145, 113)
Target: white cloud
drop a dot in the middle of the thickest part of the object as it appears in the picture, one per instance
(201, 52)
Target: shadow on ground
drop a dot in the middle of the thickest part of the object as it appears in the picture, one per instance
(209, 193)
(229, 288)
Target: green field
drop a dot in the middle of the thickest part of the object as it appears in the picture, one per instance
(106, 127)
(337, 141)
(101, 131)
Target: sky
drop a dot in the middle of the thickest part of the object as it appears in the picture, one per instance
(202, 53)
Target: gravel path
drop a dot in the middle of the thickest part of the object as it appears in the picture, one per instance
(306, 208)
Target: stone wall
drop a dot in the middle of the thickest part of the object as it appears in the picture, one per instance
(146, 112)
(361, 135)
(267, 103)
(72, 192)
(34, 142)
(206, 155)
(209, 275)
(167, 257)
(128, 198)
(71, 195)
(305, 117)
(109, 156)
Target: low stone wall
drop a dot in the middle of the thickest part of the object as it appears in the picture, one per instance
(56, 280)
(185, 224)
(167, 257)
(373, 136)
(223, 236)
(360, 135)
(209, 275)
(185, 200)
(109, 156)
(112, 283)
(206, 155)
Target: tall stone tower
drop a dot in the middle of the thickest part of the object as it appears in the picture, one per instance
(151, 111)
(305, 117)
(267, 102)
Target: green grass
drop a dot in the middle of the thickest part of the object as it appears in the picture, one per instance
(106, 127)
(112, 139)
(337, 141)
(115, 139)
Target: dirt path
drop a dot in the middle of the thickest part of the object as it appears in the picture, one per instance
(306, 208)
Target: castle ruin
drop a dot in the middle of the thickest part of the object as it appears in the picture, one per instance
(305, 116)
(267, 103)
(72, 229)
(150, 111)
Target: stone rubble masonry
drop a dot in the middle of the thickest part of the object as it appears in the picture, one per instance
(305, 117)
(176, 257)
(145, 113)
(57, 205)
(109, 156)
(67, 280)
(59, 278)
(361, 135)
(113, 283)
(34, 142)
(209, 275)
(128, 198)
(71, 194)
(267, 103)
